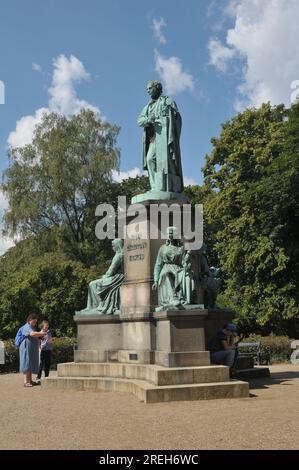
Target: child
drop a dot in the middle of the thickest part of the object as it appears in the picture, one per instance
(46, 347)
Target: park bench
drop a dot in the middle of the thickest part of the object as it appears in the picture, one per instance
(254, 351)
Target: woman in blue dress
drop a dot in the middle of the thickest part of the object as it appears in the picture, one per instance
(29, 349)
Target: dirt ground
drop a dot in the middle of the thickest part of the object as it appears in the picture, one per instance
(36, 418)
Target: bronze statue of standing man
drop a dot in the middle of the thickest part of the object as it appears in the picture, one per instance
(161, 154)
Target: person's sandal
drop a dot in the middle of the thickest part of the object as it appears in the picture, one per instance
(28, 384)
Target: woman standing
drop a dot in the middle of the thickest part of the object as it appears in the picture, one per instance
(29, 350)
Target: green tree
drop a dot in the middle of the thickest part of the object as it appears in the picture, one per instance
(252, 172)
(56, 182)
(132, 186)
(202, 195)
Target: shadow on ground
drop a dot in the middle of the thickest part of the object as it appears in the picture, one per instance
(277, 378)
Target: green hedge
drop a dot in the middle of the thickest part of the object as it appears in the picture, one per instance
(273, 348)
(63, 351)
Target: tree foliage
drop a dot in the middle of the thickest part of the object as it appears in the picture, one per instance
(56, 182)
(52, 286)
(252, 208)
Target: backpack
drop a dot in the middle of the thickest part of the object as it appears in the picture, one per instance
(19, 337)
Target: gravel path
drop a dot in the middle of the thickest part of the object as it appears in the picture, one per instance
(37, 418)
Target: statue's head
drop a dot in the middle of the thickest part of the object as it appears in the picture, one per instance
(154, 89)
(117, 244)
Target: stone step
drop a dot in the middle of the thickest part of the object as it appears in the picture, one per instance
(151, 393)
(155, 374)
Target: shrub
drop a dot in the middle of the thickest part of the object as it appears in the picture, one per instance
(63, 351)
(273, 348)
(11, 357)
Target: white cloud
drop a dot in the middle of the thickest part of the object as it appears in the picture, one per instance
(63, 98)
(219, 13)
(5, 243)
(189, 181)
(220, 54)
(36, 67)
(23, 133)
(171, 72)
(119, 176)
(229, 9)
(265, 36)
(157, 26)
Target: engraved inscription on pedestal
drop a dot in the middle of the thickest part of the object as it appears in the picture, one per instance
(137, 260)
(136, 290)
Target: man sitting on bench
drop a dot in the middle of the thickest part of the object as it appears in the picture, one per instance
(222, 347)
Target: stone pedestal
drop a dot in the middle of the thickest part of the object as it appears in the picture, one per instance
(180, 330)
(140, 253)
(96, 335)
(180, 338)
(140, 334)
(157, 355)
(168, 337)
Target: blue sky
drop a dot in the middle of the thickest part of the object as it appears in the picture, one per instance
(214, 57)
(115, 42)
